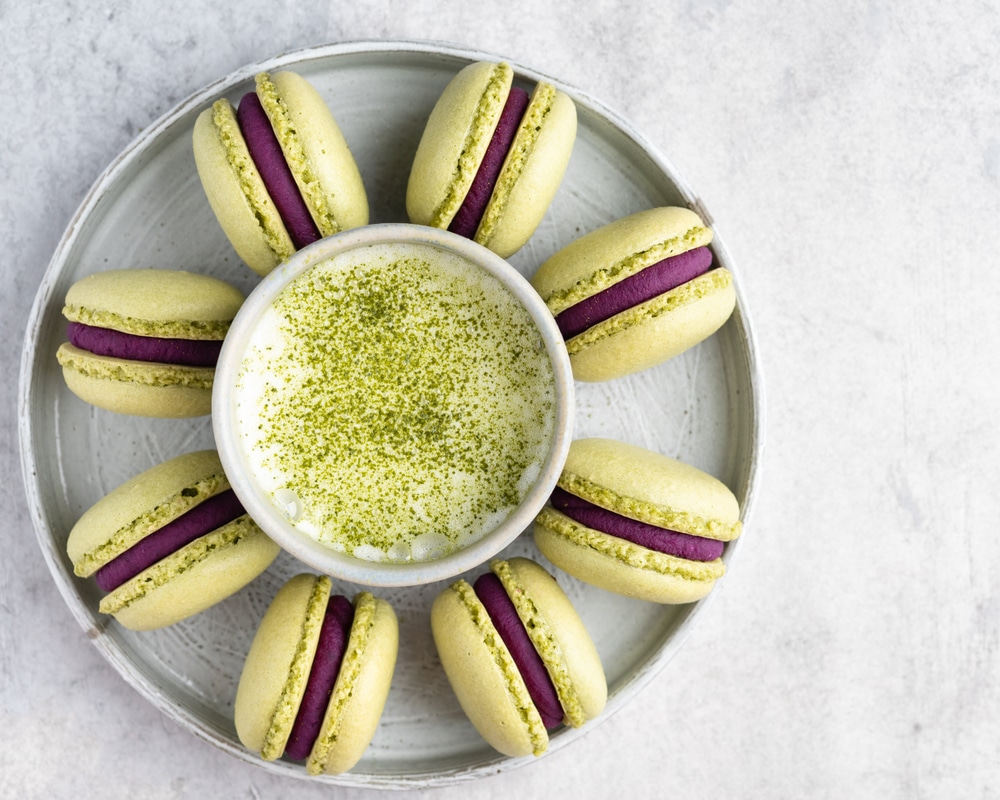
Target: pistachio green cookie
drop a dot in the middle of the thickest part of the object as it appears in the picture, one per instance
(537, 145)
(636, 292)
(638, 523)
(169, 543)
(293, 168)
(482, 669)
(288, 648)
(145, 341)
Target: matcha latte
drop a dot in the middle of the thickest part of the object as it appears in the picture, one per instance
(395, 402)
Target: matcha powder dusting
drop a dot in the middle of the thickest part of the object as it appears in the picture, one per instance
(396, 403)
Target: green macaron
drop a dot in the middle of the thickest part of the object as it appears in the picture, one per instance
(530, 152)
(169, 543)
(293, 168)
(144, 341)
(482, 662)
(280, 682)
(638, 523)
(636, 292)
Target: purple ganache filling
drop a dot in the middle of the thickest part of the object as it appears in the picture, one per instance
(204, 518)
(270, 162)
(466, 221)
(107, 342)
(330, 651)
(682, 545)
(646, 284)
(501, 609)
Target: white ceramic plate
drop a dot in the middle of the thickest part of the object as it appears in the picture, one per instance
(148, 210)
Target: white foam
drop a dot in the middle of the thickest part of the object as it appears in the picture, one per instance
(396, 405)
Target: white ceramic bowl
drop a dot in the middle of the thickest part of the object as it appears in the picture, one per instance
(255, 495)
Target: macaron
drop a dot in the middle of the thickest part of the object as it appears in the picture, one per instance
(491, 157)
(517, 656)
(169, 543)
(145, 341)
(277, 170)
(317, 675)
(638, 523)
(636, 292)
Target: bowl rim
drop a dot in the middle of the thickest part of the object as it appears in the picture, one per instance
(275, 524)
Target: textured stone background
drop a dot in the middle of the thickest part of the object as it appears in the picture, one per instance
(851, 150)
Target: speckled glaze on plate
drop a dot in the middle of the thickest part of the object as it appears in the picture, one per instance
(148, 210)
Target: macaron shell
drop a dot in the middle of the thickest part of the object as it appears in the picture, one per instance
(454, 142)
(613, 573)
(212, 568)
(655, 331)
(532, 173)
(137, 388)
(615, 251)
(483, 676)
(648, 486)
(362, 686)
(142, 504)
(236, 192)
(570, 655)
(155, 302)
(277, 665)
(319, 157)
